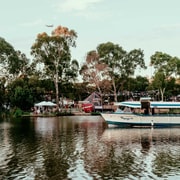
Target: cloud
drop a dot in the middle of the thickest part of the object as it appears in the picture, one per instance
(77, 5)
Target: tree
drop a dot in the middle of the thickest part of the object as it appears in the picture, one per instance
(13, 63)
(53, 52)
(20, 94)
(24, 64)
(92, 70)
(8, 60)
(165, 67)
(160, 83)
(139, 84)
(72, 71)
(120, 63)
(165, 63)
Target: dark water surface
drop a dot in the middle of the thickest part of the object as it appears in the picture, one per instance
(82, 147)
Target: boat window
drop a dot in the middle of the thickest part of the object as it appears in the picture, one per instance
(121, 108)
(124, 109)
(127, 109)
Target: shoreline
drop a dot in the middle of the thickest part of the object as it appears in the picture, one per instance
(60, 114)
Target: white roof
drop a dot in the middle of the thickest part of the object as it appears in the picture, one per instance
(46, 103)
(153, 104)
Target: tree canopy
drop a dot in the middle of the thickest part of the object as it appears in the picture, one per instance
(53, 52)
(165, 67)
(111, 62)
(8, 59)
(163, 62)
(110, 69)
(93, 71)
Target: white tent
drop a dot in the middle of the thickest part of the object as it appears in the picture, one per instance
(46, 103)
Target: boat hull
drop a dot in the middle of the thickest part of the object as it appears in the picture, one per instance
(140, 120)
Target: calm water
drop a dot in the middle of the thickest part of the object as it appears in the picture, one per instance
(84, 148)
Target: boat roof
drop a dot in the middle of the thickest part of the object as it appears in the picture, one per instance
(153, 104)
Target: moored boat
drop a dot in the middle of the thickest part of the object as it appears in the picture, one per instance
(145, 113)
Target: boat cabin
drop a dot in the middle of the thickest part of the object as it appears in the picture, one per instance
(154, 107)
(148, 107)
(145, 105)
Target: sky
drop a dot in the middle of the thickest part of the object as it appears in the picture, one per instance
(149, 25)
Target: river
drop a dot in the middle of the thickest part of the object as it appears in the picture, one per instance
(84, 148)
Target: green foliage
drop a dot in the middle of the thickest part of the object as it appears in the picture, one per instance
(6, 55)
(64, 113)
(165, 63)
(22, 98)
(108, 69)
(11, 61)
(17, 112)
(159, 80)
(54, 53)
(24, 92)
(137, 84)
(112, 55)
(165, 67)
(95, 113)
(120, 63)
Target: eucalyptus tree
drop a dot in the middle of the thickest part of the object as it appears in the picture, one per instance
(165, 67)
(24, 65)
(162, 88)
(52, 52)
(92, 70)
(13, 64)
(165, 63)
(9, 61)
(119, 63)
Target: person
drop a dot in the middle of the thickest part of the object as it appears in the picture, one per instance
(38, 111)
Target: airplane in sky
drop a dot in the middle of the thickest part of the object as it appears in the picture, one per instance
(51, 25)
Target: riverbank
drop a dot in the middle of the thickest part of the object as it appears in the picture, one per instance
(55, 115)
(63, 112)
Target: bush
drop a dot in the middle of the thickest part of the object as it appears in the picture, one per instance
(17, 112)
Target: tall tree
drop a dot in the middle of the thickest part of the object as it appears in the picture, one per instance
(160, 83)
(120, 63)
(92, 70)
(165, 67)
(9, 61)
(24, 64)
(165, 63)
(53, 51)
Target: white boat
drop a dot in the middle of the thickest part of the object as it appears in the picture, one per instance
(145, 113)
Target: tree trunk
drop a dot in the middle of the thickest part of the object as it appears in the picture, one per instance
(114, 87)
(162, 93)
(57, 89)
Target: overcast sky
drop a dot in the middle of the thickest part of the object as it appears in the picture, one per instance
(151, 25)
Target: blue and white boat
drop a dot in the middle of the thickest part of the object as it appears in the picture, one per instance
(144, 113)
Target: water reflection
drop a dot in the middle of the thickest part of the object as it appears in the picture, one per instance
(84, 148)
(147, 153)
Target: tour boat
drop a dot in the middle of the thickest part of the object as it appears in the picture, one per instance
(144, 113)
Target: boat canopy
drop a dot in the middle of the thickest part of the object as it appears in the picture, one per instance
(45, 103)
(153, 104)
(165, 104)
